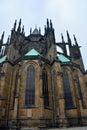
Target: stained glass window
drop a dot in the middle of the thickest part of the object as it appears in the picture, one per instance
(30, 87)
(67, 91)
(45, 87)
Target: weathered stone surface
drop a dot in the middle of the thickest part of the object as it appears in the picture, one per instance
(49, 107)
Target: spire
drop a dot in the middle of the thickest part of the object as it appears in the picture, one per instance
(1, 41)
(75, 40)
(47, 23)
(23, 29)
(30, 30)
(62, 38)
(2, 37)
(14, 28)
(68, 39)
(63, 45)
(39, 30)
(51, 25)
(45, 28)
(19, 26)
(8, 40)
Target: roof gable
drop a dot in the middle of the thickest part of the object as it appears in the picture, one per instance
(63, 58)
(35, 31)
(32, 52)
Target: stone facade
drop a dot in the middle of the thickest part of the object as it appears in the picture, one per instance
(60, 80)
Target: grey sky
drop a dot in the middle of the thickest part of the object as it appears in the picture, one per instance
(68, 15)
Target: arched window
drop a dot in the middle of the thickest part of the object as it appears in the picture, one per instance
(67, 91)
(45, 88)
(30, 87)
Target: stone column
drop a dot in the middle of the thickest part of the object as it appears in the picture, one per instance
(61, 102)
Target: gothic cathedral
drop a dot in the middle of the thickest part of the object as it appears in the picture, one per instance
(42, 83)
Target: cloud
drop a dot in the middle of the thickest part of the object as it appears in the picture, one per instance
(65, 14)
(63, 10)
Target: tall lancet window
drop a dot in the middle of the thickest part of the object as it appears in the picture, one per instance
(45, 88)
(30, 87)
(67, 91)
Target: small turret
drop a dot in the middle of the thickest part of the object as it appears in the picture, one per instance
(63, 44)
(1, 40)
(51, 25)
(39, 30)
(49, 31)
(68, 39)
(75, 40)
(15, 24)
(30, 30)
(47, 24)
(45, 28)
(1, 44)
(8, 40)
(2, 37)
(63, 41)
(19, 26)
(23, 30)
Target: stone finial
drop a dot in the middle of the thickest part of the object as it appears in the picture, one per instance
(68, 39)
(75, 40)
(15, 24)
(51, 25)
(19, 26)
(47, 23)
(62, 38)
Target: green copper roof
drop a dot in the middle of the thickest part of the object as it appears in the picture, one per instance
(63, 58)
(32, 52)
(3, 59)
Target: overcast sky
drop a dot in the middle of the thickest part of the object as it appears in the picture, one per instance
(68, 15)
